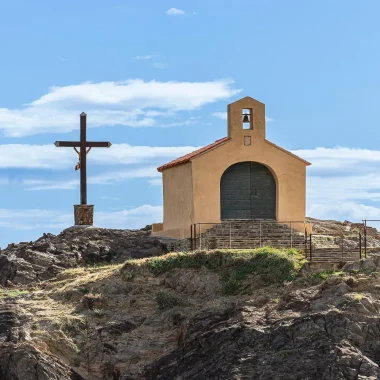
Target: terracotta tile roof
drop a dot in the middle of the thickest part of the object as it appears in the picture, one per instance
(286, 151)
(188, 157)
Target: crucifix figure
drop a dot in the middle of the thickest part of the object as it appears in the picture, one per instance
(83, 212)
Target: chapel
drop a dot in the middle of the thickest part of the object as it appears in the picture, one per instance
(242, 176)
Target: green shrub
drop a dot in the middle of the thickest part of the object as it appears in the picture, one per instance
(273, 265)
(327, 274)
(168, 300)
(358, 297)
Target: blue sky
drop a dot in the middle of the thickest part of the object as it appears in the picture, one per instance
(155, 78)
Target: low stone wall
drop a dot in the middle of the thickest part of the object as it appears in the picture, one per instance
(176, 245)
(315, 267)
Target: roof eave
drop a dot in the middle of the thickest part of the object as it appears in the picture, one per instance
(166, 166)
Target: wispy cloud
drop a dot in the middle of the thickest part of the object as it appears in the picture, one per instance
(133, 103)
(35, 156)
(155, 182)
(175, 12)
(33, 219)
(104, 178)
(223, 116)
(342, 183)
(144, 57)
(160, 65)
(110, 198)
(220, 115)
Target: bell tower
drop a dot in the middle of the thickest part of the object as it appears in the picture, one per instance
(246, 120)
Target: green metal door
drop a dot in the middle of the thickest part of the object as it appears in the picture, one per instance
(248, 191)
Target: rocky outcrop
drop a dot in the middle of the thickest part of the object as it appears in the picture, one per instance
(20, 360)
(162, 321)
(43, 259)
(305, 337)
(25, 362)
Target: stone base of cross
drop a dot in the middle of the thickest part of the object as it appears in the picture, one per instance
(84, 215)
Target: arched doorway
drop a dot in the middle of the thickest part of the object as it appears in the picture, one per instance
(248, 191)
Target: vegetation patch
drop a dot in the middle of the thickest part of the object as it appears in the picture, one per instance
(168, 300)
(273, 265)
(358, 297)
(327, 274)
(7, 293)
(77, 280)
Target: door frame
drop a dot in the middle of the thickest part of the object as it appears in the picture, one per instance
(276, 184)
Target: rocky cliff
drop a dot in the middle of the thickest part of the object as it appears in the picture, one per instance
(72, 307)
(25, 263)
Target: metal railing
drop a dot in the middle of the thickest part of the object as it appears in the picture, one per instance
(349, 246)
(248, 234)
(365, 235)
(341, 248)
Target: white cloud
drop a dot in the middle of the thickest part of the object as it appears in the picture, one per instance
(220, 115)
(51, 157)
(223, 116)
(32, 219)
(135, 218)
(155, 181)
(160, 65)
(144, 57)
(133, 103)
(342, 183)
(105, 178)
(175, 12)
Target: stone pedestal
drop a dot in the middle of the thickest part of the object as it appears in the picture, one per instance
(84, 215)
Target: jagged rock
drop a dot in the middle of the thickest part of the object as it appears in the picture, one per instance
(43, 259)
(369, 265)
(9, 324)
(18, 359)
(110, 326)
(26, 363)
(312, 347)
(366, 266)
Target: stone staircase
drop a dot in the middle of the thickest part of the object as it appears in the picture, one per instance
(249, 234)
(333, 255)
(330, 248)
(253, 234)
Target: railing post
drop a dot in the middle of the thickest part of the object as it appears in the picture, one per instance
(360, 246)
(230, 237)
(365, 239)
(311, 248)
(305, 242)
(191, 238)
(200, 236)
(291, 235)
(260, 233)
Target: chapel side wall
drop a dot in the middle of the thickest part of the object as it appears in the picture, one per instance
(289, 172)
(178, 197)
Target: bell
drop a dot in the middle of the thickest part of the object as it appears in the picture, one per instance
(246, 118)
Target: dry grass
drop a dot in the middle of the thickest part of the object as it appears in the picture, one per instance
(12, 293)
(80, 278)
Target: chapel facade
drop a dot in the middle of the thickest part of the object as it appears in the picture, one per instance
(240, 177)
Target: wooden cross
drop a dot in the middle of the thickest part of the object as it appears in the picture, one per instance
(82, 144)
